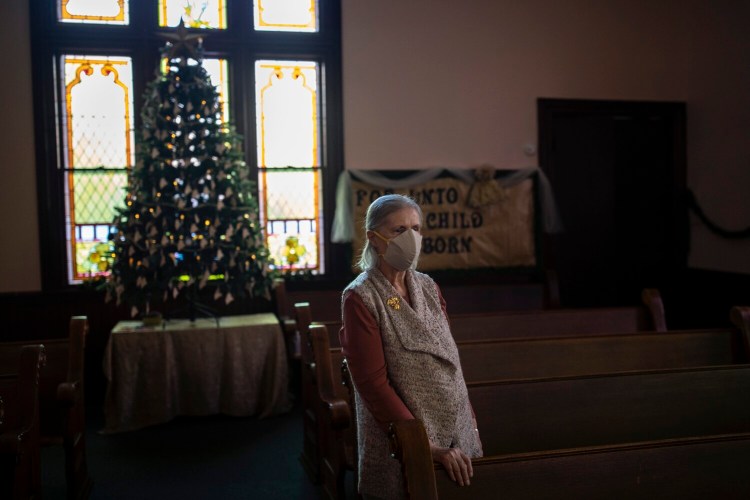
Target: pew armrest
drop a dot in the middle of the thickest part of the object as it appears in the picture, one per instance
(289, 326)
(410, 446)
(740, 317)
(10, 442)
(338, 411)
(69, 393)
(651, 298)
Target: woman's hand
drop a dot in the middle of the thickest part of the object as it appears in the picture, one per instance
(456, 463)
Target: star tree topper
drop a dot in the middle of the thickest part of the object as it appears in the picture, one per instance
(183, 43)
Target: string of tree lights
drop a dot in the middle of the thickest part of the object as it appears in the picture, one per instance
(190, 219)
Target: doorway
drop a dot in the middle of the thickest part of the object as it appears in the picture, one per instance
(618, 172)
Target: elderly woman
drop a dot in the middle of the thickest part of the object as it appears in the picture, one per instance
(401, 354)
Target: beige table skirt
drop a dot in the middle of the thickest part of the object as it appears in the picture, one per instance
(155, 374)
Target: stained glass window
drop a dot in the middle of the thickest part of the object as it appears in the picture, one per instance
(86, 141)
(288, 157)
(286, 15)
(210, 14)
(93, 11)
(98, 138)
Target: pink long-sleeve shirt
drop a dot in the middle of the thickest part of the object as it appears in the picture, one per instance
(362, 346)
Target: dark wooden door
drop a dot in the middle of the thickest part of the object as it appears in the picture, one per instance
(618, 172)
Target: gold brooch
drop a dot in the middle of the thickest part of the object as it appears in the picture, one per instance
(394, 302)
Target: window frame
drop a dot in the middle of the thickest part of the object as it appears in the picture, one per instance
(139, 40)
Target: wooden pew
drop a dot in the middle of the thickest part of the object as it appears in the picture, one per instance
(286, 319)
(20, 473)
(521, 416)
(61, 400)
(555, 357)
(536, 358)
(512, 325)
(336, 434)
(548, 322)
(311, 451)
(539, 358)
(692, 467)
(567, 356)
(588, 436)
(552, 323)
(325, 303)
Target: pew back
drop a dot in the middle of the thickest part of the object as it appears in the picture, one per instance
(549, 323)
(64, 366)
(311, 450)
(20, 472)
(545, 323)
(554, 357)
(61, 400)
(700, 467)
(334, 416)
(489, 360)
(546, 414)
(54, 373)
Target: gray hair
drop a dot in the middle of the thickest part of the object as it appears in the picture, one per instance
(377, 213)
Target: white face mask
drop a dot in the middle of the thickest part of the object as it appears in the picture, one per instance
(403, 251)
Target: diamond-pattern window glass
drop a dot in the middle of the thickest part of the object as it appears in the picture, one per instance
(211, 14)
(98, 140)
(93, 11)
(291, 194)
(287, 111)
(97, 194)
(286, 15)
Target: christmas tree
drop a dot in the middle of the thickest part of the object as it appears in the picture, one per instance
(190, 221)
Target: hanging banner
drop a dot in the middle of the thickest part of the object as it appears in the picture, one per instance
(466, 225)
